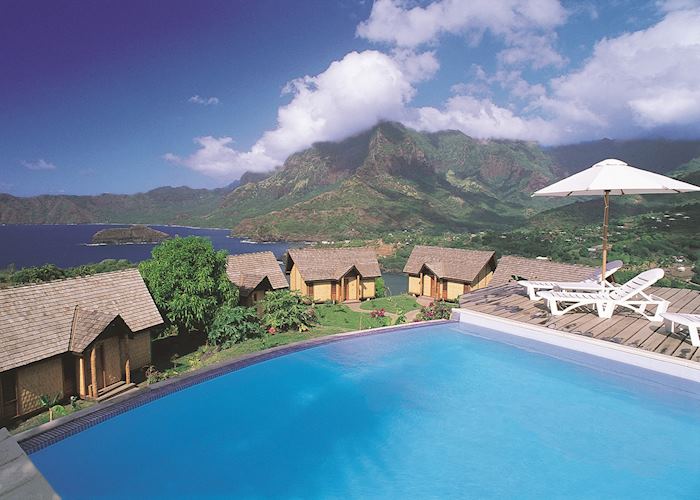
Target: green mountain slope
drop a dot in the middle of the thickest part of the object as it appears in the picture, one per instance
(166, 205)
(387, 179)
(391, 179)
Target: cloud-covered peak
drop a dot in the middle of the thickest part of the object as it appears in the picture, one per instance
(351, 95)
(631, 84)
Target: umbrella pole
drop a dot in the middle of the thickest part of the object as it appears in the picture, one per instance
(606, 199)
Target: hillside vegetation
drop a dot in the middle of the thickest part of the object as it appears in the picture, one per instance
(389, 179)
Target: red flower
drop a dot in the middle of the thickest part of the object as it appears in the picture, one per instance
(272, 330)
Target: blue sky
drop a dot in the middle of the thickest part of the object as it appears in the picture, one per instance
(127, 96)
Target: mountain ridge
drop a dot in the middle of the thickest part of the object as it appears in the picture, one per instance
(388, 178)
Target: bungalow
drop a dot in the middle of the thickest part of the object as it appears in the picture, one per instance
(74, 337)
(537, 270)
(447, 273)
(255, 274)
(336, 274)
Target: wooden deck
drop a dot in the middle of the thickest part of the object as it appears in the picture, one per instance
(511, 301)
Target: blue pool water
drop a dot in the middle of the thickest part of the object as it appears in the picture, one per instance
(427, 412)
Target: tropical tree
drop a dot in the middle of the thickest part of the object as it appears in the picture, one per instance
(234, 324)
(379, 288)
(188, 282)
(284, 310)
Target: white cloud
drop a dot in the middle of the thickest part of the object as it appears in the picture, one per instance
(350, 96)
(525, 26)
(481, 118)
(532, 49)
(216, 158)
(39, 164)
(416, 66)
(635, 83)
(204, 101)
(671, 5)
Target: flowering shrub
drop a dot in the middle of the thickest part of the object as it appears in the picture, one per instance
(435, 310)
(377, 313)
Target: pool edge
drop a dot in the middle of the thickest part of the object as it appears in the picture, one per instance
(44, 435)
(671, 371)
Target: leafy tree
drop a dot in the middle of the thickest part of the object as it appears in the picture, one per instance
(234, 324)
(50, 272)
(188, 281)
(379, 288)
(47, 272)
(284, 310)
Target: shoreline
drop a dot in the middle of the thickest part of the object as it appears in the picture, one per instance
(127, 224)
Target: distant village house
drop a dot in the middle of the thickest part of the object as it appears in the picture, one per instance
(510, 266)
(337, 274)
(75, 337)
(255, 274)
(447, 273)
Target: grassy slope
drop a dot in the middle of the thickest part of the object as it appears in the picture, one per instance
(333, 318)
(392, 304)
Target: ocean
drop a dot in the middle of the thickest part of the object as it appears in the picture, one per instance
(68, 245)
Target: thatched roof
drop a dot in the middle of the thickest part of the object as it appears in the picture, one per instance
(43, 320)
(537, 270)
(248, 270)
(316, 264)
(448, 263)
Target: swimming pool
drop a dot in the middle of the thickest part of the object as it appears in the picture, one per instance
(426, 412)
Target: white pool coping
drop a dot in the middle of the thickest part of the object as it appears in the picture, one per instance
(672, 372)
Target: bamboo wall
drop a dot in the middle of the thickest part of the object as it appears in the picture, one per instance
(368, 288)
(36, 379)
(414, 284)
(140, 350)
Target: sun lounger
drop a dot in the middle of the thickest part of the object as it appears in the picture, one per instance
(690, 321)
(631, 295)
(590, 284)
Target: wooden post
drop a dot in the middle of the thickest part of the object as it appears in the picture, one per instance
(93, 371)
(606, 200)
(124, 348)
(358, 292)
(81, 377)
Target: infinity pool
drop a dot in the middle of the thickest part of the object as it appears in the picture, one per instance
(426, 412)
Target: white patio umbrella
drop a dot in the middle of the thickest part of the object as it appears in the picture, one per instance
(614, 177)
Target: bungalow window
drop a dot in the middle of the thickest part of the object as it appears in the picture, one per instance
(8, 394)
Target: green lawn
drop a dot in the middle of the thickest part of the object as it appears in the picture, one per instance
(393, 304)
(332, 318)
(335, 318)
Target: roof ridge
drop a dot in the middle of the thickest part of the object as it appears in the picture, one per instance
(251, 253)
(72, 326)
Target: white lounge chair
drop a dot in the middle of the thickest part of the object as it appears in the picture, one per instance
(690, 321)
(590, 284)
(630, 295)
